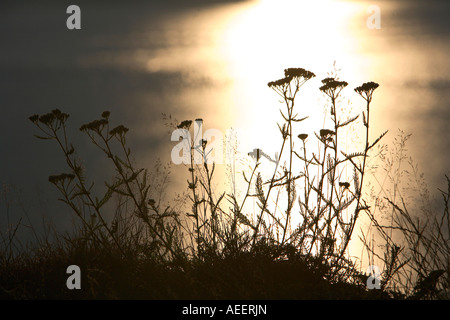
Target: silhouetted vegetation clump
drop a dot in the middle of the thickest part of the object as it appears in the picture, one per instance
(294, 244)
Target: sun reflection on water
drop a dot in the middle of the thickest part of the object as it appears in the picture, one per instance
(268, 36)
(228, 53)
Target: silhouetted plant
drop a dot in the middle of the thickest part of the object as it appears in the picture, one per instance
(323, 230)
(294, 245)
(159, 236)
(323, 202)
(414, 237)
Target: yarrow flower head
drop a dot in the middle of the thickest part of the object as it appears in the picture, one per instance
(331, 85)
(34, 118)
(59, 115)
(49, 118)
(303, 136)
(279, 83)
(96, 125)
(186, 124)
(118, 130)
(61, 178)
(326, 134)
(152, 202)
(204, 143)
(299, 73)
(368, 86)
(345, 185)
(105, 114)
(328, 80)
(366, 90)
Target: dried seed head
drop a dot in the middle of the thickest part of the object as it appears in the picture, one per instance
(367, 87)
(47, 118)
(61, 178)
(204, 142)
(331, 85)
(280, 83)
(105, 114)
(345, 185)
(325, 133)
(299, 73)
(118, 130)
(366, 90)
(34, 118)
(94, 125)
(186, 124)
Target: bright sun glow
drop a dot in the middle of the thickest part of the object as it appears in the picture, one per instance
(238, 48)
(264, 39)
(268, 36)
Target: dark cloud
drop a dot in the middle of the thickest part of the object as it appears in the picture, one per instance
(428, 17)
(44, 66)
(433, 84)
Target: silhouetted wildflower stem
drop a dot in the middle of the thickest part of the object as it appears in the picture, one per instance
(214, 206)
(365, 91)
(307, 189)
(128, 184)
(192, 185)
(416, 239)
(139, 202)
(119, 133)
(54, 121)
(208, 232)
(287, 88)
(249, 184)
(280, 87)
(196, 178)
(332, 88)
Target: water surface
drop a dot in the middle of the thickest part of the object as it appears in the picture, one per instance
(212, 61)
